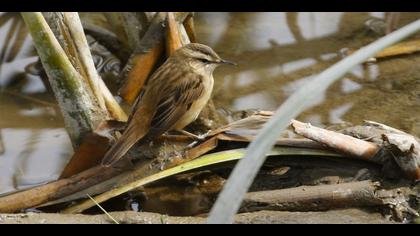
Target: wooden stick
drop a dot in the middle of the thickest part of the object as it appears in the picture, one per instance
(342, 143)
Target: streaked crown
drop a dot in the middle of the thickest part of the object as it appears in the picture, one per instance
(199, 52)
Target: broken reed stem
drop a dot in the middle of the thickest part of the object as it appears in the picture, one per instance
(173, 38)
(79, 107)
(189, 28)
(142, 62)
(111, 104)
(72, 22)
(70, 34)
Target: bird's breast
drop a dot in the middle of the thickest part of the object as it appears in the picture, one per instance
(196, 107)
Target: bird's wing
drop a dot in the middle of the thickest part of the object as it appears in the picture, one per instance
(150, 122)
(138, 125)
(175, 102)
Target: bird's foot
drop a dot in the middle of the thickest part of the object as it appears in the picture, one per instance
(191, 145)
(200, 137)
(197, 138)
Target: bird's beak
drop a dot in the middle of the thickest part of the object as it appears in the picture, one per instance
(227, 62)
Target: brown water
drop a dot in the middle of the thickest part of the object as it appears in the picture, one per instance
(276, 52)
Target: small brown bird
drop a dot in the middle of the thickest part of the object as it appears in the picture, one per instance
(173, 98)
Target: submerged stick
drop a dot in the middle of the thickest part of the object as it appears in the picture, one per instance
(309, 198)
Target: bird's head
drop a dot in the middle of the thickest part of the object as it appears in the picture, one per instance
(200, 56)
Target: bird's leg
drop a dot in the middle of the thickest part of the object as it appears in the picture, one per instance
(191, 145)
(193, 136)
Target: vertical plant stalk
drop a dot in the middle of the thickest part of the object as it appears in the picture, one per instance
(132, 28)
(75, 28)
(173, 38)
(143, 60)
(189, 28)
(243, 174)
(105, 98)
(79, 108)
(69, 31)
(116, 22)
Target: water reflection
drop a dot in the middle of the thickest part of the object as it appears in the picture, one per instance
(278, 52)
(34, 144)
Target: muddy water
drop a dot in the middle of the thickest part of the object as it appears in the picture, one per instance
(276, 54)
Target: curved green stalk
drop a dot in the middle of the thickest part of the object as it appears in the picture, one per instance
(203, 161)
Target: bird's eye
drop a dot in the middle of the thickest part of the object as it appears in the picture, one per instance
(203, 60)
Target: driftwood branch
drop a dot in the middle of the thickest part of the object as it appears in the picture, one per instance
(332, 196)
(337, 141)
(307, 198)
(388, 143)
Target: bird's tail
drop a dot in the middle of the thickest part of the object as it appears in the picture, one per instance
(121, 147)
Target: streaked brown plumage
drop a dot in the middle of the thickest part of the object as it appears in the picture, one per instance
(173, 98)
